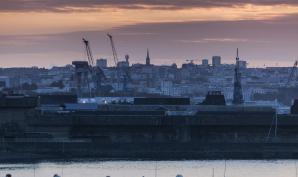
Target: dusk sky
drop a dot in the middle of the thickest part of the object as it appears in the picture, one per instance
(48, 32)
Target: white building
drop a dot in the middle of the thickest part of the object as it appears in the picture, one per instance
(167, 87)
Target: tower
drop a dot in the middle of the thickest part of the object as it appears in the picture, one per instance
(237, 95)
(216, 61)
(147, 58)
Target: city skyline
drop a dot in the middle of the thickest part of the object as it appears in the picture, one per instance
(48, 33)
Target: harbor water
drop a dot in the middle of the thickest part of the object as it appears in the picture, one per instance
(229, 168)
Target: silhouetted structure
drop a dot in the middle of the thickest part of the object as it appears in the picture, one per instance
(147, 58)
(216, 61)
(294, 107)
(57, 99)
(161, 101)
(237, 95)
(214, 98)
(81, 75)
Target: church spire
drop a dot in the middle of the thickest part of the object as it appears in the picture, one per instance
(147, 58)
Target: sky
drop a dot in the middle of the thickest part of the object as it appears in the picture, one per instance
(48, 33)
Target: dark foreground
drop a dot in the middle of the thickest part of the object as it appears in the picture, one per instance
(211, 132)
(54, 152)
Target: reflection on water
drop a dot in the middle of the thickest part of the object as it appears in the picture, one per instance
(234, 168)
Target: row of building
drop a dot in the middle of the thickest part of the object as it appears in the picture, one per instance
(189, 80)
(215, 61)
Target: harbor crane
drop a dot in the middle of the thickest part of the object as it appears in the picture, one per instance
(115, 57)
(119, 71)
(293, 73)
(97, 74)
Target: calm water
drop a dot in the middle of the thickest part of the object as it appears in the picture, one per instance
(151, 169)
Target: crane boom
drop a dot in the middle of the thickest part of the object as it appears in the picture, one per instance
(115, 56)
(89, 53)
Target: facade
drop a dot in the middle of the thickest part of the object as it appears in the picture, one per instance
(167, 88)
(4, 82)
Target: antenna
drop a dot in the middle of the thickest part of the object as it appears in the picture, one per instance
(237, 54)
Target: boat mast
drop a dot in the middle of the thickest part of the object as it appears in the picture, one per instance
(225, 169)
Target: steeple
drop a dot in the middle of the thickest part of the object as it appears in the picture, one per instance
(237, 95)
(147, 58)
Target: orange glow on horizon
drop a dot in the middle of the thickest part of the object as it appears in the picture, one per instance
(72, 19)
